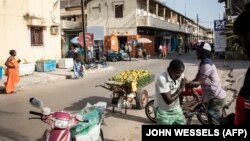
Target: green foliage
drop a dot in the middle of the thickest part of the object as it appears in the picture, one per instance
(235, 48)
(232, 40)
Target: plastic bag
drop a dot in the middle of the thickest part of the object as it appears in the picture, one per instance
(91, 117)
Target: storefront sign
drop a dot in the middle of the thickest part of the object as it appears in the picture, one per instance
(89, 39)
(219, 40)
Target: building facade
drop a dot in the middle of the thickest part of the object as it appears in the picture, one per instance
(31, 27)
(125, 20)
(117, 22)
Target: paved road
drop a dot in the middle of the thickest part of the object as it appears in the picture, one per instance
(72, 95)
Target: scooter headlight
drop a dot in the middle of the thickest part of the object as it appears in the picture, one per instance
(61, 123)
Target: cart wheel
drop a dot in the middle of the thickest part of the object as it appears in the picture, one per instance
(114, 59)
(141, 99)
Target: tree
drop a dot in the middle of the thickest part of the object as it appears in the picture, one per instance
(233, 43)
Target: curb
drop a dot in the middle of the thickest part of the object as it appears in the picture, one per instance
(43, 78)
(99, 70)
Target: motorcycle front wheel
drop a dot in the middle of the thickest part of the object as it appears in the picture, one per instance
(149, 111)
(202, 113)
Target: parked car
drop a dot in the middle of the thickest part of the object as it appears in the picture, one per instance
(116, 56)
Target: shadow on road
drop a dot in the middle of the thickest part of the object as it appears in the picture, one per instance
(2, 91)
(79, 105)
(126, 116)
(109, 139)
(9, 135)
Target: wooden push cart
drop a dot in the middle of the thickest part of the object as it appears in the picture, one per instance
(124, 97)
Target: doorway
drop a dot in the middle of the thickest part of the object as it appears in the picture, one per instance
(122, 40)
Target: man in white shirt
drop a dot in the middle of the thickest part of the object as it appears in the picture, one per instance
(129, 51)
(168, 87)
(160, 50)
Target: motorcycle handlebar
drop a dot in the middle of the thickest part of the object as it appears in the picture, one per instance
(35, 113)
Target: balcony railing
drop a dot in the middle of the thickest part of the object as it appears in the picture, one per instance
(65, 24)
(159, 22)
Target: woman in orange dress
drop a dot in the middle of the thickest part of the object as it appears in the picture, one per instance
(12, 72)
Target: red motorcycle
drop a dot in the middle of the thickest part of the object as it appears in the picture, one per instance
(64, 126)
(191, 105)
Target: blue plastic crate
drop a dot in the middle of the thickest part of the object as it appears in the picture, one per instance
(1, 72)
(46, 66)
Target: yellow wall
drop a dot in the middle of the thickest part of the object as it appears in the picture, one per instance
(15, 33)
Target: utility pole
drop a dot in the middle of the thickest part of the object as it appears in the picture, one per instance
(174, 4)
(83, 31)
(185, 9)
(197, 28)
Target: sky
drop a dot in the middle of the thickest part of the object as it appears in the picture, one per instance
(207, 10)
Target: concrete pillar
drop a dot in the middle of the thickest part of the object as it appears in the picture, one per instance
(157, 6)
(164, 13)
(148, 12)
(171, 16)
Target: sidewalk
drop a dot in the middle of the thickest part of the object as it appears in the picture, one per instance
(45, 77)
(231, 72)
(232, 79)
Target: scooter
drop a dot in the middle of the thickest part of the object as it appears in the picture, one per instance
(65, 126)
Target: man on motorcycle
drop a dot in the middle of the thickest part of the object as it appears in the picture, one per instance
(168, 87)
(207, 76)
(241, 28)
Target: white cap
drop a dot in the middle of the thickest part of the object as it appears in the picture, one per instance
(203, 45)
(76, 50)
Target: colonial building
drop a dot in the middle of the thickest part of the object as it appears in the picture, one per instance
(210, 35)
(31, 27)
(125, 20)
(117, 22)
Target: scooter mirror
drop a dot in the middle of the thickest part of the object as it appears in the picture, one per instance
(36, 102)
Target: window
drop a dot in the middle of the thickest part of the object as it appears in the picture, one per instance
(119, 11)
(36, 36)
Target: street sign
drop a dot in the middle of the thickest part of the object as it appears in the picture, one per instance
(219, 40)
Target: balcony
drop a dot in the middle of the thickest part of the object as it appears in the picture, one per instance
(65, 24)
(158, 22)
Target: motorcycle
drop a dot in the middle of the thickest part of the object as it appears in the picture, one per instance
(195, 107)
(65, 126)
(190, 107)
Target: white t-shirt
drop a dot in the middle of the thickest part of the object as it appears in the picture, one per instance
(164, 84)
(129, 48)
(160, 47)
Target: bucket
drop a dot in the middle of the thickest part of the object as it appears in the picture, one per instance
(1, 72)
